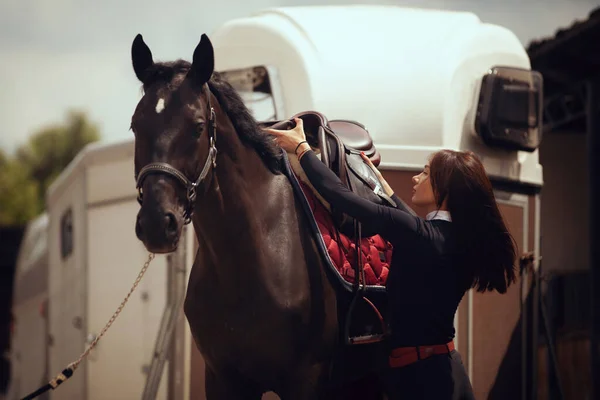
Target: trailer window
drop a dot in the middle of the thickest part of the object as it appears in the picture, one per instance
(259, 88)
(66, 233)
(509, 113)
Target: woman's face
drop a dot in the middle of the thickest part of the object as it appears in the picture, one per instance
(422, 195)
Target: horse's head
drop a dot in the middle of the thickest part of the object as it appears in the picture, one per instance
(174, 127)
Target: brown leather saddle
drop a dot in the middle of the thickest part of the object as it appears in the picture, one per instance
(340, 143)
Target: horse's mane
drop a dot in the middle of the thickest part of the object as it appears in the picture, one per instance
(172, 75)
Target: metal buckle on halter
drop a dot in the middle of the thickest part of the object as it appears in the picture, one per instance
(191, 197)
(191, 192)
(187, 217)
(213, 147)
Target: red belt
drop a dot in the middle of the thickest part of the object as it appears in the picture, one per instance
(402, 356)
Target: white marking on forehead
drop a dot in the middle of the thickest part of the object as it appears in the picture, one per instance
(160, 106)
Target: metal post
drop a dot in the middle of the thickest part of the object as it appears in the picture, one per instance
(537, 290)
(177, 357)
(524, 315)
(164, 348)
(593, 145)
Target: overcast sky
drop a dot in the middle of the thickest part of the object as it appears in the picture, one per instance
(61, 54)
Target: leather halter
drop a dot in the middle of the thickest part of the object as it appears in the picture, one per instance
(191, 186)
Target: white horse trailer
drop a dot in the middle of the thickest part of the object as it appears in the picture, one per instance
(94, 259)
(420, 80)
(29, 345)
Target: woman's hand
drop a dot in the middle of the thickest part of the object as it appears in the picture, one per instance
(386, 187)
(368, 161)
(290, 139)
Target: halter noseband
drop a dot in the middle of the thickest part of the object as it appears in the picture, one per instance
(191, 186)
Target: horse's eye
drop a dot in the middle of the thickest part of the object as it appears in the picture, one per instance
(198, 129)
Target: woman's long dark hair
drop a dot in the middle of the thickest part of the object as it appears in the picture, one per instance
(486, 248)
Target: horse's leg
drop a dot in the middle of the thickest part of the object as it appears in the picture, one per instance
(220, 386)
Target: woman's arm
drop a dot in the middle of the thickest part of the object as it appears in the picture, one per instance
(387, 221)
(401, 205)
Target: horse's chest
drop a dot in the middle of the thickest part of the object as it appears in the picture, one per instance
(230, 333)
(247, 305)
(210, 317)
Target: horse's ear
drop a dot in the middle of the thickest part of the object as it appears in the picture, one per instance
(203, 63)
(141, 57)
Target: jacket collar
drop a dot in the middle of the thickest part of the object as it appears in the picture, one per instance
(439, 214)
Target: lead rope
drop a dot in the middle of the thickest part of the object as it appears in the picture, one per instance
(68, 372)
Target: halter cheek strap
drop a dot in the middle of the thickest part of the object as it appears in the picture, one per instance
(190, 186)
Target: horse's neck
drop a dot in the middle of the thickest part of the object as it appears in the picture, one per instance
(233, 208)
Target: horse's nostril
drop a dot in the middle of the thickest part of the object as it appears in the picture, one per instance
(171, 222)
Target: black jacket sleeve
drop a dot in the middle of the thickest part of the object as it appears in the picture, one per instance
(388, 221)
(401, 205)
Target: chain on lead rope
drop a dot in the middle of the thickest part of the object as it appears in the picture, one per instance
(68, 372)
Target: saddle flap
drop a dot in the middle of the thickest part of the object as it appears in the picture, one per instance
(362, 171)
(365, 174)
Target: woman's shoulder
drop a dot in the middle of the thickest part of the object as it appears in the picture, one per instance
(437, 232)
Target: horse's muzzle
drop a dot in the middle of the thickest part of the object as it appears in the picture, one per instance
(158, 230)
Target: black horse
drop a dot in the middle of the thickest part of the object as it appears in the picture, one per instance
(261, 309)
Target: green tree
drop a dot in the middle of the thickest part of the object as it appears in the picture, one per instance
(25, 178)
(19, 194)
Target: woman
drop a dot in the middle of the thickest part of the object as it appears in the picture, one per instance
(463, 243)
